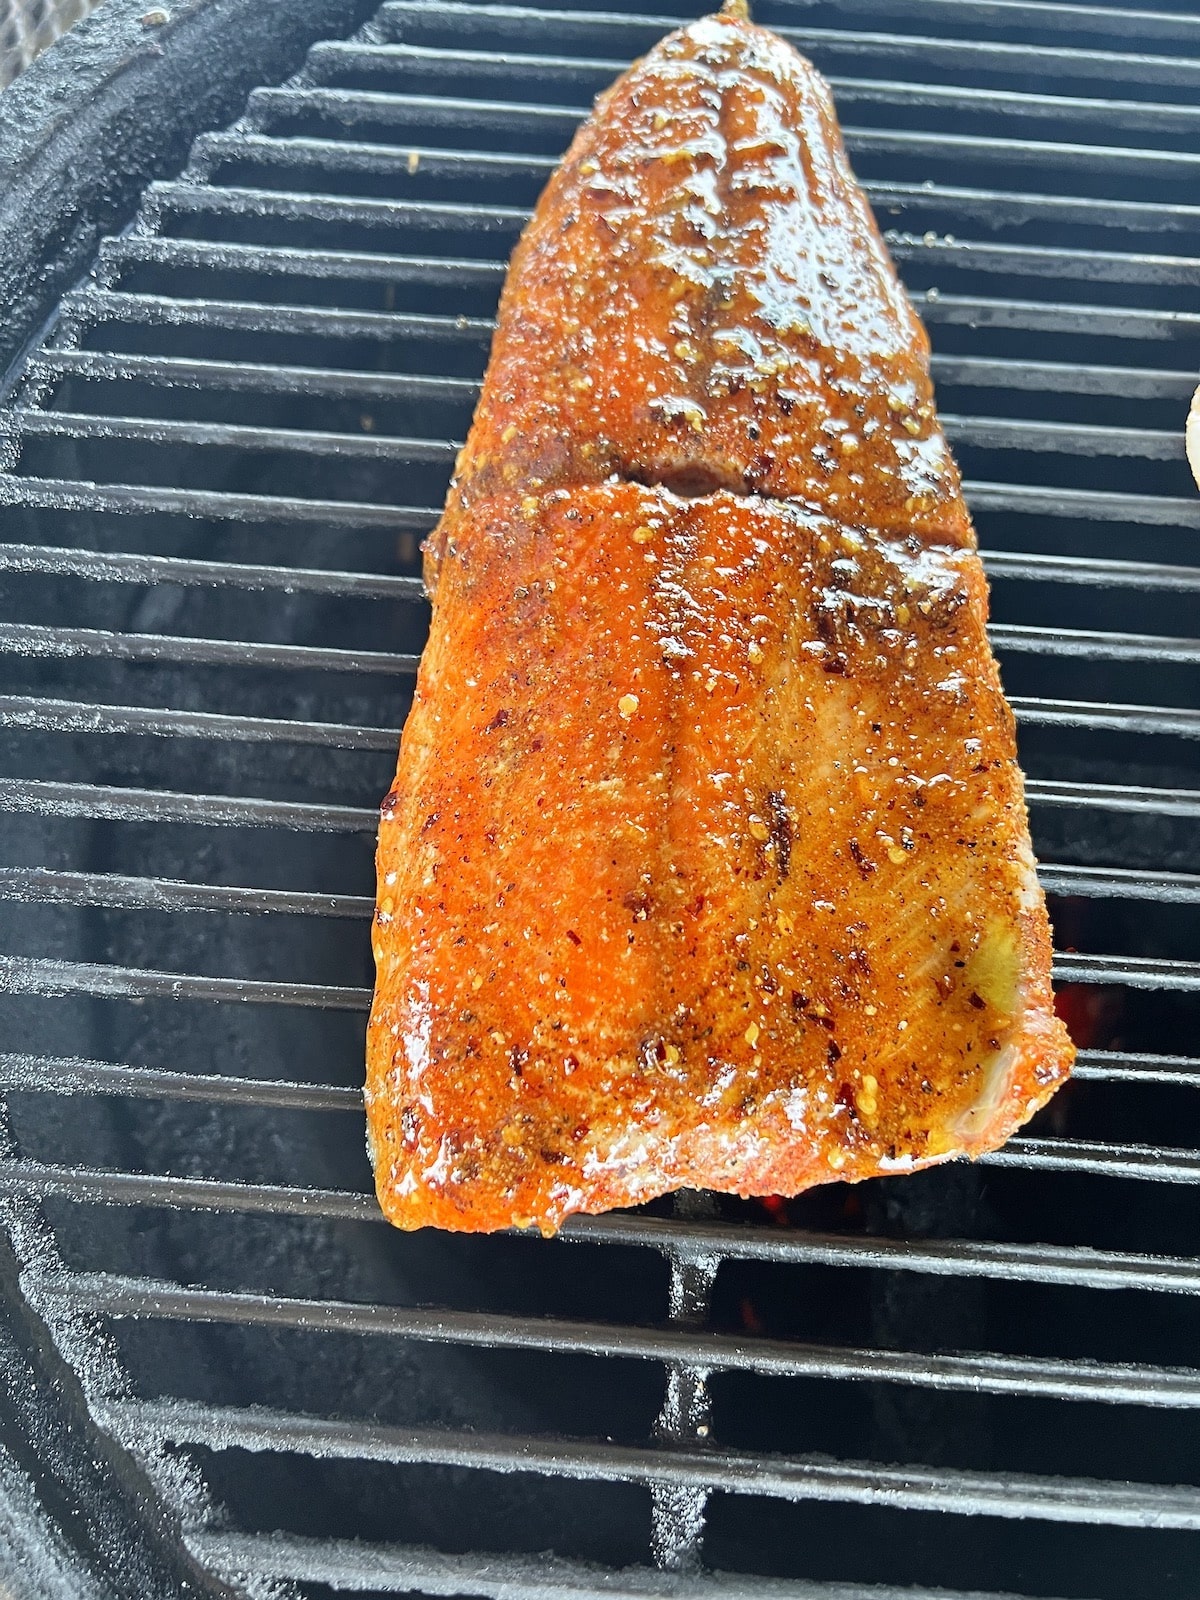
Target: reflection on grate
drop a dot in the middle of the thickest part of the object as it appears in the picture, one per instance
(216, 470)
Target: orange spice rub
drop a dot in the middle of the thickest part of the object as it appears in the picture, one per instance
(707, 861)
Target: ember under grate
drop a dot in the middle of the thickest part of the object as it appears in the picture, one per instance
(219, 463)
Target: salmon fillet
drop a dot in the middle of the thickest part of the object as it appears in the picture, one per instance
(707, 861)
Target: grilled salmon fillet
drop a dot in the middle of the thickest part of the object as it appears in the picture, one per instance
(707, 861)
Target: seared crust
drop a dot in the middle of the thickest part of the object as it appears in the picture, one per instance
(707, 862)
(703, 299)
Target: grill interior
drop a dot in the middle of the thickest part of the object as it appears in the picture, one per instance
(28, 26)
(217, 467)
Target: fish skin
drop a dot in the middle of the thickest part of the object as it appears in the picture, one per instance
(707, 861)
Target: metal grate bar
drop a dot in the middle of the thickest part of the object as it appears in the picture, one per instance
(232, 436)
(1120, 883)
(984, 431)
(1071, 1266)
(101, 566)
(1072, 19)
(81, 716)
(1135, 972)
(1045, 316)
(1183, 723)
(22, 975)
(1024, 60)
(1058, 377)
(71, 1075)
(36, 639)
(255, 316)
(335, 157)
(394, 215)
(1137, 1067)
(300, 261)
(119, 891)
(1039, 261)
(1078, 438)
(103, 802)
(184, 572)
(53, 494)
(60, 887)
(353, 1566)
(121, 567)
(32, 639)
(352, 108)
(187, 373)
(1085, 570)
(76, 495)
(184, 372)
(68, 716)
(678, 1511)
(1064, 261)
(144, 1425)
(589, 73)
(1114, 797)
(1110, 1383)
(1146, 1162)
(40, 975)
(423, 113)
(1079, 644)
(94, 1186)
(44, 797)
(1133, 116)
(1015, 208)
(997, 433)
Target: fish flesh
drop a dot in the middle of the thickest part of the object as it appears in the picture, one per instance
(707, 861)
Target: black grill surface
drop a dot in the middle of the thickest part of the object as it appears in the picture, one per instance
(217, 467)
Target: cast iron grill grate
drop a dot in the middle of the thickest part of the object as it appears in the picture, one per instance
(27, 27)
(218, 466)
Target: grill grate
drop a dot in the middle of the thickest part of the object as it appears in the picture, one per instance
(27, 27)
(215, 471)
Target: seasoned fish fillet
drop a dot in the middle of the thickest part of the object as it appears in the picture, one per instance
(707, 862)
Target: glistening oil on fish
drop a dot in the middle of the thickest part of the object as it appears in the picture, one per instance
(707, 862)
